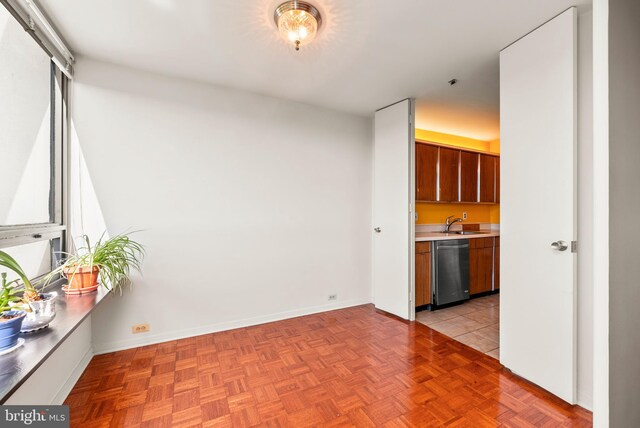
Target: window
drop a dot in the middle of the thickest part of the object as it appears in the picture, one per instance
(32, 126)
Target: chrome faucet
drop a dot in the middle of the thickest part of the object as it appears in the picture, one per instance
(449, 222)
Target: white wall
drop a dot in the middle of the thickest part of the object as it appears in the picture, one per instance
(624, 176)
(585, 209)
(254, 208)
(54, 379)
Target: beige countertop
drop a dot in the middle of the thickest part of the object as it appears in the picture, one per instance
(437, 236)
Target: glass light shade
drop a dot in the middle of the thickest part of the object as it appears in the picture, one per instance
(297, 22)
(298, 26)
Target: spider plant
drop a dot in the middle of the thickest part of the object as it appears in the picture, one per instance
(30, 292)
(114, 258)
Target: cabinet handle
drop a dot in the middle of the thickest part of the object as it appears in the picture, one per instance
(377, 230)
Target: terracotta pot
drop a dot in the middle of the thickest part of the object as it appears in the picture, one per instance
(82, 277)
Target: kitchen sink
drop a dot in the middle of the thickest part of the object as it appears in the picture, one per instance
(468, 232)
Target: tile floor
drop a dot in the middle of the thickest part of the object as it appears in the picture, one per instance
(476, 323)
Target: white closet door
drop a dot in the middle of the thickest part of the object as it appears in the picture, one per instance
(538, 199)
(392, 209)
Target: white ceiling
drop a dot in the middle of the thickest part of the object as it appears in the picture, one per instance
(368, 54)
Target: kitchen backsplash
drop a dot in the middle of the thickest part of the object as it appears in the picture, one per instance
(433, 213)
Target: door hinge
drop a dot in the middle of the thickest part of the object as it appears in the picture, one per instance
(574, 246)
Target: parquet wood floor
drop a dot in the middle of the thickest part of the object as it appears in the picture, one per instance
(350, 367)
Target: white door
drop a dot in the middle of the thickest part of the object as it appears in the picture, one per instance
(538, 143)
(393, 199)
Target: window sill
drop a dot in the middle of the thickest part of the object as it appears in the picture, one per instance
(17, 366)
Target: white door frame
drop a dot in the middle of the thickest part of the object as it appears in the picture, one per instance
(601, 213)
(412, 212)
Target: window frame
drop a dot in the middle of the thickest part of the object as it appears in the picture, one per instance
(56, 228)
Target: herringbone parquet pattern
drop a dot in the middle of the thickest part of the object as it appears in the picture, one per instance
(351, 367)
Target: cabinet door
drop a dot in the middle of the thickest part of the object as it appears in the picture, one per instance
(423, 275)
(487, 178)
(496, 265)
(498, 180)
(468, 177)
(487, 261)
(476, 267)
(426, 169)
(449, 166)
(480, 265)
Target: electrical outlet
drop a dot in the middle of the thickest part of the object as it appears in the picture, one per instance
(333, 297)
(464, 215)
(140, 328)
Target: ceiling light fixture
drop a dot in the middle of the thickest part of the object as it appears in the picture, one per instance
(298, 22)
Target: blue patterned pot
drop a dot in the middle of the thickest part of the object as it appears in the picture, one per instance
(10, 329)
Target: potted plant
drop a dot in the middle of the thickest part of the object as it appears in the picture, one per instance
(10, 317)
(110, 259)
(40, 307)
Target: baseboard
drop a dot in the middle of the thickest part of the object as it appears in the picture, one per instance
(586, 404)
(103, 348)
(65, 389)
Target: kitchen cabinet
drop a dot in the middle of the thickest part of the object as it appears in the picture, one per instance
(468, 176)
(496, 264)
(445, 174)
(423, 273)
(484, 268)
(426, 172)
(497, 180)
(481, 265)
(487, 178)
(449, 168)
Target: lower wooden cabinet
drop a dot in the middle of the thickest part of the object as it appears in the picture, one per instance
(484, 268)
(423, 273)
(481, 265)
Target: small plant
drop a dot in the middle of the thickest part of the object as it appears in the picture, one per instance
(113, 258)
(11, 317)
(8, 295)
(30, 292)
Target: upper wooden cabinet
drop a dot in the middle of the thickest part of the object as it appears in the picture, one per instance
(426, 168)
(449, 160)
(445, 174)
(487, 178)
(468, 177)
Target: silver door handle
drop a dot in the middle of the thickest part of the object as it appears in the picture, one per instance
(559, 246)
(377, 229)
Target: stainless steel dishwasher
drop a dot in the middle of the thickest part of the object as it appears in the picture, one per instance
(450, 271)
